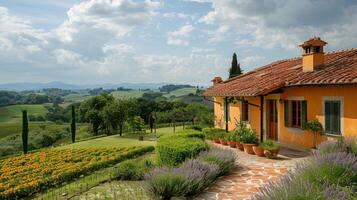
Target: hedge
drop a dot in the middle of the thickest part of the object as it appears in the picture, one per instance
(175, 149)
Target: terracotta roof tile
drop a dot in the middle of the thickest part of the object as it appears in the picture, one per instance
(339, 68)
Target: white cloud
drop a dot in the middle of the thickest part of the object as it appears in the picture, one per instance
(181, 36)
(284, 24)
(118, 17)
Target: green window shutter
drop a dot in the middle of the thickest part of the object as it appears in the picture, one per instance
(286, 114)
(336, 118)
(328, 116)
(303, 114)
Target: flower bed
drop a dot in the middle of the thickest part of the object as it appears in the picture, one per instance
(26, 174)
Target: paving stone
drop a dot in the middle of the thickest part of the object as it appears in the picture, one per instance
(244, 181)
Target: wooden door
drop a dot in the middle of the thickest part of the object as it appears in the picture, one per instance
(272, 120)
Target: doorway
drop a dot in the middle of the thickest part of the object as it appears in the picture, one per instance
(272, 119)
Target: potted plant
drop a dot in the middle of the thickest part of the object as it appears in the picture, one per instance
(215, 137)
(222, 138)
(258, 150)
(249, 140)
(315, 127)
(271, 148)
(232, 139)
(241, 128)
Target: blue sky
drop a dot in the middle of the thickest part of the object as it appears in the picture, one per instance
(177, 41)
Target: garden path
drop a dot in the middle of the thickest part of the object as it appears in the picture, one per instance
(251, 173)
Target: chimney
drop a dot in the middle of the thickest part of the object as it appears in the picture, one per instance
(313, 54)
(217, 80)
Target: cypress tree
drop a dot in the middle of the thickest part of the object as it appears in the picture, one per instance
(235, 69)
(73, 125)
(25, 131)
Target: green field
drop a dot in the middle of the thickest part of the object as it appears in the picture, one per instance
(13, 113)
(128, 94)
(125, 141)
(181, 92)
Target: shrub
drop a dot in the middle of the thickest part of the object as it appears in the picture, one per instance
(210, 133)
(198, 175)
(194, 127)
(333, 168)
(132, 169)
(331, 176)
(190, 178)
(164, 184)
(224, 159)
(173, 150)
(348, 145)
(270, 145)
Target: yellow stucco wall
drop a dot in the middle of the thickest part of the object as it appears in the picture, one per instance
(235, 111)
(314, 97)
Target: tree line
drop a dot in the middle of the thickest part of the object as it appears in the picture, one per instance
(107, 114)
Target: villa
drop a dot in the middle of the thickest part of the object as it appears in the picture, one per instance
(278, 99)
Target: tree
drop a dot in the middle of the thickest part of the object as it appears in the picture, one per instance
(73, 125)
(92, 111)
(25, 131)
(235, 69)
(316, 127)
(118, 113)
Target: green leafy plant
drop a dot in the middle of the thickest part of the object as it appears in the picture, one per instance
(175, 149)
(316, 127)
(270, 145)
(133, 169)
(249, 137)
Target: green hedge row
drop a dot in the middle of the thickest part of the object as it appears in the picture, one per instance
(175, 149)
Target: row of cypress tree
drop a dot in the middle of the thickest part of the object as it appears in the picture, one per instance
(25, 129)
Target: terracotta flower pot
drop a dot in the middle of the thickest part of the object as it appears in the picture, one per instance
(240, 146)
(271, 153)
(248, 148)
(232, 144)
(216, 140)
(258, 151)
(223, 141)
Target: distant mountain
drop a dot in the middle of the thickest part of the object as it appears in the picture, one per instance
(61, 85)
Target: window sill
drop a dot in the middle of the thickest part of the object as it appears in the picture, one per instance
(295, 130)
(333, 135)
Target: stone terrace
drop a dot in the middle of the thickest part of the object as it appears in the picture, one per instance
(251, 174)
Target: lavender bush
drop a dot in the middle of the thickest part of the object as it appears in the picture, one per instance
(225, 159)
(331, 174)
(191, 177)
(348, 145)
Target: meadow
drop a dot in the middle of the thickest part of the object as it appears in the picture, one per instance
(11, 114)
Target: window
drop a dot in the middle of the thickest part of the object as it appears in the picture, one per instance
(308, 50)
(226, 110)
(295, 113)
(244, 111)
(333, 117)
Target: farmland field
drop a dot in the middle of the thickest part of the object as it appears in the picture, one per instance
(128, 94)
(13, 113)
(181, 92)
(26, 174)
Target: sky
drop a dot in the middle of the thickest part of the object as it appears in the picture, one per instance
(173, 41)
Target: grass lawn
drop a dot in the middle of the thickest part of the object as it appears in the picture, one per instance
(13, 113)
(124, 141)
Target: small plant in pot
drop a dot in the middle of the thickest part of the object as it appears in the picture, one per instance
(249, 139)
(223, 139)
(258, 150)
(271, 148)
(232, 139)
(215, 137)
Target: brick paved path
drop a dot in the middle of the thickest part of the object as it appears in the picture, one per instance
(246, 179)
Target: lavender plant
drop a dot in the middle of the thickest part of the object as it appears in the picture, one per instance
(225, 159)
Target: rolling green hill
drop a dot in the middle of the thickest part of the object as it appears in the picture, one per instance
(181, 92)
(13, 113)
